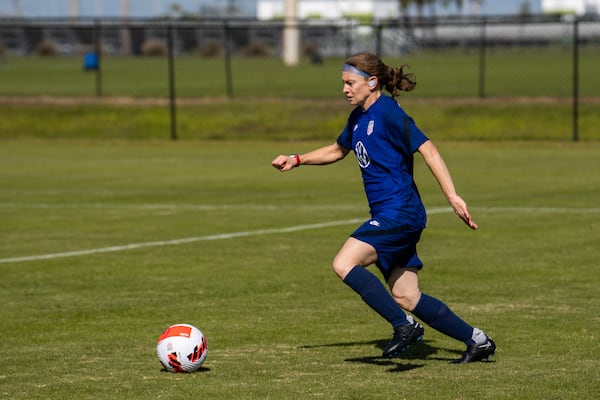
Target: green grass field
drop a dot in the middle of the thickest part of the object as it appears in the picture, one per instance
(510, 72)
(527, 97)
(293, 120)
(110, 232)
(279, 324)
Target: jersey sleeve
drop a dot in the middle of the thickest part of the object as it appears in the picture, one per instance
(399, 121)
(417, 137)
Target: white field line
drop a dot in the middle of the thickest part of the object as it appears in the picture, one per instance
(174, 242)
(259, 232)
(194, 207)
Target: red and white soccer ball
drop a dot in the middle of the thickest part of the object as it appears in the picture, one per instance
(182, 348)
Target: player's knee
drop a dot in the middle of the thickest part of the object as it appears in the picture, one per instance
(341, 268)
(408, 300)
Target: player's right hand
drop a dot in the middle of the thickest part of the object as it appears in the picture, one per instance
(284, 163)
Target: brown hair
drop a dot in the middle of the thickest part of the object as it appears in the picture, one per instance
(392, 79)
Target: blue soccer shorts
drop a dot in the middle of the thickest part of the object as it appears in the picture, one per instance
(396, 245)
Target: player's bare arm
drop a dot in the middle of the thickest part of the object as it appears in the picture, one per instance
(321, 156)
(438, 168)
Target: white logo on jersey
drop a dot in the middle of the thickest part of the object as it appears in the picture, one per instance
(355, 127)
(374, 222)
(361, 155)
(370, 127)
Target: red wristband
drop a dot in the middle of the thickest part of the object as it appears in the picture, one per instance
(297, 158)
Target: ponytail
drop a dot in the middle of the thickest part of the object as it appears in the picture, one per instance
(396, 79)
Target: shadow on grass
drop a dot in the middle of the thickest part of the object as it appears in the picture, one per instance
(394, 364)
(198, 371)
(418, 351)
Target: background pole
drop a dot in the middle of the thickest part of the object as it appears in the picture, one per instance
(172, 104)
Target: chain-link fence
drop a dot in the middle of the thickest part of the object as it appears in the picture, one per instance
(331, 38)
(513, 58)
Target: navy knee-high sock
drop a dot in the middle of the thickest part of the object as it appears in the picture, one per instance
(372, 291)
(437, 315)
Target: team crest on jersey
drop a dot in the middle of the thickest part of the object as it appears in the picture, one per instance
(370, 127)
(361, 155)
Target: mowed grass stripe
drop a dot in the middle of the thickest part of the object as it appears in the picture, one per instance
(259, 232)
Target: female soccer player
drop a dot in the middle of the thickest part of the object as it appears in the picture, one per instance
(384, 138)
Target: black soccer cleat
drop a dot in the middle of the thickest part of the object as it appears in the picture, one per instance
(404, 336)
(478, 352)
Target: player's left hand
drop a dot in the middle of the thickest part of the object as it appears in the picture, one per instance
(460, 208)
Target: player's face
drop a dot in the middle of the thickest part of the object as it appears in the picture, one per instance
(356, 88)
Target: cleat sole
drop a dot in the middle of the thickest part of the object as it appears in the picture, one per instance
(397, 353)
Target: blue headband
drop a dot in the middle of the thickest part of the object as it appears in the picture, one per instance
(354, 70)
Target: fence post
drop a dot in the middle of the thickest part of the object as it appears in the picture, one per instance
(576, 79)
(349, 26)
(482, 55)
(98, 51)
(173, 108)
(228, 75)
(379, 39)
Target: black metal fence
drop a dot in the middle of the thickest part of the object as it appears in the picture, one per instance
(322, 39)
(332, 38)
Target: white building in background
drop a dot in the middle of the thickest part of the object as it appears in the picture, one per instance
(579, 7)
(330, 9)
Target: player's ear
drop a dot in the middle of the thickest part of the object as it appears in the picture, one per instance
(372, 82)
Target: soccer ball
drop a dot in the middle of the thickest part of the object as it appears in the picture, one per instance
(182, 348)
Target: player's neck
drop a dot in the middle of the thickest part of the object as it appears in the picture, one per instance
(371, 100)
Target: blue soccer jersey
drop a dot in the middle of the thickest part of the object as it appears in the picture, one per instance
(377, 137)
